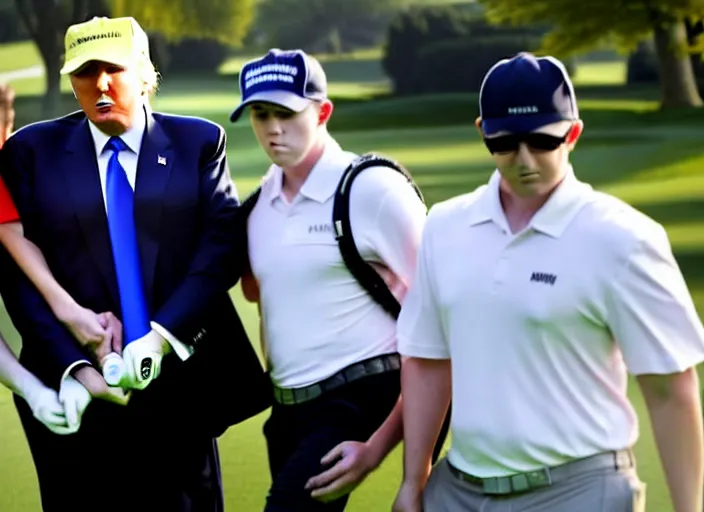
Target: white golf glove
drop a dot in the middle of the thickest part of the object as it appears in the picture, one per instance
(75, 399)
(46, 407)
(142, 360)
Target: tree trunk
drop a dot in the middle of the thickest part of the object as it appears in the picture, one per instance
(52, 95)
(47, 21)
(160, 52)
(677, 84)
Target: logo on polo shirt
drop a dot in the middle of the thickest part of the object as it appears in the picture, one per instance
(320, 228)
(541, 277)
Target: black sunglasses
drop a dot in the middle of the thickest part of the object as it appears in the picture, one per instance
(537, 141)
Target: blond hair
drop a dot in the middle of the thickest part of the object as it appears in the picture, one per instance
(149, 75)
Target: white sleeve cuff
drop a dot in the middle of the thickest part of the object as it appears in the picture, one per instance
(68, 371)
(421, 351)
(182, 350)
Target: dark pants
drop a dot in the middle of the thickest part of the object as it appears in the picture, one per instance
(117, 462)
(298, 436)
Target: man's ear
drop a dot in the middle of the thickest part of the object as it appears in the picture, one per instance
(574, 133)
(478, 124)
(326, 109)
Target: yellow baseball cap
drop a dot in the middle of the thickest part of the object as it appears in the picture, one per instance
(119, 41)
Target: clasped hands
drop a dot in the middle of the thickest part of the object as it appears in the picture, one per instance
(138, 364)
(101, 335)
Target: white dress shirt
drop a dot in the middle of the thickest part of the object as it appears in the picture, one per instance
(128, 159)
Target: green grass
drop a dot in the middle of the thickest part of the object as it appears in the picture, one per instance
(18, 56)
(600, 73)
(649, 158)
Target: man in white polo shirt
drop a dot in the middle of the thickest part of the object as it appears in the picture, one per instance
(534, 295)
(331, 349)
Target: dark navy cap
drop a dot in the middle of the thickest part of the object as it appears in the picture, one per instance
(526, 92)
(289, 78)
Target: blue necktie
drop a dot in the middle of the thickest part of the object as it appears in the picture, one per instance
(120, 206)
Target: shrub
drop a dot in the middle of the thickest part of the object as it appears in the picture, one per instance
(448, 49)
(460, 65)
(410, 32)
(199, 55)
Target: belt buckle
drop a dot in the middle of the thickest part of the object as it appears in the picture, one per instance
(623, 459)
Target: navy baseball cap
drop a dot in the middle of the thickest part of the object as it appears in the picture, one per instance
(526, 92)
(289, 78)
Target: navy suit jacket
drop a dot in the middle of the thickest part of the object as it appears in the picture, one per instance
(190, 241)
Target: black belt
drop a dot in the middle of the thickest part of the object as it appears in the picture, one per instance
(356, 371)
(544, 477)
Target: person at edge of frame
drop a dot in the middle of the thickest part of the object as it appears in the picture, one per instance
(533, 336)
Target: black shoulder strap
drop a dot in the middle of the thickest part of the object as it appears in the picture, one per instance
(248, 204)
(245, 209)
(361, 270)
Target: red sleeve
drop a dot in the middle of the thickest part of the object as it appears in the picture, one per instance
(8, 212)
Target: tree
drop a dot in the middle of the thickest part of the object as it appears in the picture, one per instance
(226, 21)
(11, 28)
(410, 32)
(581, 26)
(325, 25)
(205, 27)
(46, 22)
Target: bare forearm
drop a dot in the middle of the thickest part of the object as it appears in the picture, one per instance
(388, 435)
(30, 259)
(676, 418)
(426, 389)
(13, 375)
(262, 339)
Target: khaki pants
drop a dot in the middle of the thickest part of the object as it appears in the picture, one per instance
(601, 490)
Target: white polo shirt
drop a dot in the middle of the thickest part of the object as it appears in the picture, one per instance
(317, 319)
(542, 325)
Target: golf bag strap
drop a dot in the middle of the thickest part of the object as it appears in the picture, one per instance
(245, 209)
(364, 273)
(248, 204)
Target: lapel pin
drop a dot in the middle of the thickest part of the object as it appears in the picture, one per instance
(161, 160)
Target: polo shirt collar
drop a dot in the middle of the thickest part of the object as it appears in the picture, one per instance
(321, 183)
(551, 219)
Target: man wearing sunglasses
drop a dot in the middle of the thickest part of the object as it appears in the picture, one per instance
(533, 297)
